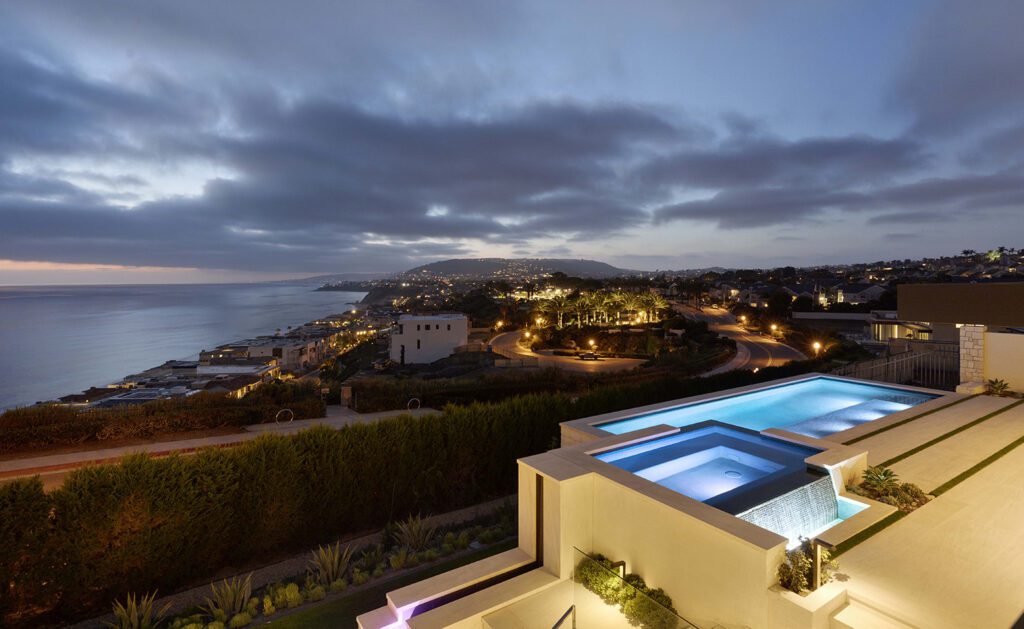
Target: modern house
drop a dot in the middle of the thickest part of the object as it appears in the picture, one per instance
(426, 338)
(699, 497)
(990, 321)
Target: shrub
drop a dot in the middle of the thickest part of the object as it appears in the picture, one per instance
(230, 597)
(51, 425)
(138, 613)
(997, 386)
(370, 558)
(316, 593)
(239, 620)
(399, 559)
(359, 577)
(339, 586)
(268, 606)
(330, 563)
(796, 573)
(292, 596)
(879, 480)
(414, 533)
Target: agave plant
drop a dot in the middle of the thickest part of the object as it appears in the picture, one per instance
(138, 613)
(997, 386)
(229, 597)
(879, 480)
(327, 564)
(415, 533)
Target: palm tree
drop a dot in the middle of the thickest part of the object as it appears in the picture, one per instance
(557, 306)
(630, 302)
(658, 305)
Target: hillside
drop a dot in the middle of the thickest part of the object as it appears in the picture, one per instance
(497, 268)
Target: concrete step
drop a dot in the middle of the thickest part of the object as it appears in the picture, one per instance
(857, 615)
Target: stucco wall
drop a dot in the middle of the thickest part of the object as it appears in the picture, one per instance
(713, 577)
(1004, 358)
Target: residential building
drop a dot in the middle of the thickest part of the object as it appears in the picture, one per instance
(990, 321)
(426, 338)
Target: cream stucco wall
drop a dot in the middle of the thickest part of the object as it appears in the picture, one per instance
(1004, 358)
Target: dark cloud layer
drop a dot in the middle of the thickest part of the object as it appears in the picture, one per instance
(306, 163)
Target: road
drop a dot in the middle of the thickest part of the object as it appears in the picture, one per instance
(753, 351)
(508, 343)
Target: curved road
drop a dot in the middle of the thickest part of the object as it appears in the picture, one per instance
(508, 343)
(753, 351)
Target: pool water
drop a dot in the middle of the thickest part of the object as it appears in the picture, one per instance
(726, 467)
(761, 479)
(817, 407)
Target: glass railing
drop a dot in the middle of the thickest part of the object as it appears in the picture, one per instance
(603, 599)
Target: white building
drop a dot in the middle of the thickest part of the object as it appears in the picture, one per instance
(426, 338)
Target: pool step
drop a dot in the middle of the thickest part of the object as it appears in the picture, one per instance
(858, 615)
(846, 418)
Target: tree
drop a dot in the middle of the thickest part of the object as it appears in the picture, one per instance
(557, 306)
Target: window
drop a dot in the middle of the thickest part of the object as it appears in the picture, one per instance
(417, 327)
(449, 327)
(401, 328)
(417, 343)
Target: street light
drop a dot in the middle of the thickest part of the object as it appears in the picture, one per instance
(498, 324)
(591, 342)
(526, 334)
(539, 321)
(817, 347)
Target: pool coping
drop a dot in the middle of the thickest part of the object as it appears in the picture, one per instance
(590, 426)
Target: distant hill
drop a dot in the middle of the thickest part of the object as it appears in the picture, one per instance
(484, 268)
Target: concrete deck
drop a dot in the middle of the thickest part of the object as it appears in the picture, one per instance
(956, 562)
(891, 443)
(943, 461)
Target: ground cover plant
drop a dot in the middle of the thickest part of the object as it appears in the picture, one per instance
(642, 605)
(234, 604)
(882, 484)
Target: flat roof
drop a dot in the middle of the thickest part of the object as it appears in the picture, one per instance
(433, 317)
(990, 303)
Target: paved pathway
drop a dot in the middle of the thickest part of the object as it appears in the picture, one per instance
(888, 444)
(956, 562)
(508, 342)
(54, 467)
(943, 461)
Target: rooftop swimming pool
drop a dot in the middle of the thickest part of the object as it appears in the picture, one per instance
(761, 479)
(816, 407)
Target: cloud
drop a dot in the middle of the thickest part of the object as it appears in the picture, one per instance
(964, 69)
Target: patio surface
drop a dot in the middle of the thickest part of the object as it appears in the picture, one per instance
(886, 445)
(956, 562)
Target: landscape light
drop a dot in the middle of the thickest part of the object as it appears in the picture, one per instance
(526, 334)
(817, 347)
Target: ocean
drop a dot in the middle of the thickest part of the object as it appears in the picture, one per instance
(56, 340)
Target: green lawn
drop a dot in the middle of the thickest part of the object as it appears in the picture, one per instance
(341, 612)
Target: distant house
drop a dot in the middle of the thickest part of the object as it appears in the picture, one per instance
(233, 386)
(858, 293)
(426, 338)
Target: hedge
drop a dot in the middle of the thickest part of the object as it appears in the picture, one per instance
(49, 425)
(164, 524)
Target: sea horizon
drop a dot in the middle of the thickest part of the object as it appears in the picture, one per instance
(60, 339)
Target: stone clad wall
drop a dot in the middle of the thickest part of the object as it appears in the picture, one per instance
(972, 353)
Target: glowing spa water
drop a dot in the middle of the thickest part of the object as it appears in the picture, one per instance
(817, 407)
(763, 480)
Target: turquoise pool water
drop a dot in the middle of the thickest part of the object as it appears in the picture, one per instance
(817, 407)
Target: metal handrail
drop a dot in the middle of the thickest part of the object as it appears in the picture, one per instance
(569, 612)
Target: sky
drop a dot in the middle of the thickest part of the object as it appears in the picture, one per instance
(242, 141)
